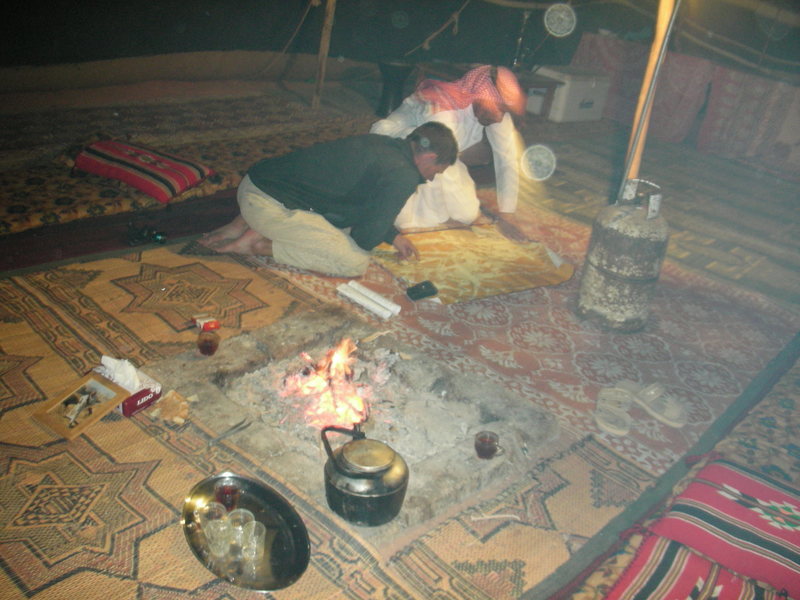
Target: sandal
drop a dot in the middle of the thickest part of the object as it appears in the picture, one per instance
(610, 413)
(654, 399)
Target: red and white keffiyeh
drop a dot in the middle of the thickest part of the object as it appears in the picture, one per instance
(505, 96)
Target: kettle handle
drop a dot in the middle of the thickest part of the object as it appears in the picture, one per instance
(355, 433)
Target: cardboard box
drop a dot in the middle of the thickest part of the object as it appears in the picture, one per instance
(582, 97)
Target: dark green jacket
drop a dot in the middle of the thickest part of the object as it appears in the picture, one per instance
(361, 182)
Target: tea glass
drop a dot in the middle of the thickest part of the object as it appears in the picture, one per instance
(207, 343)
(487, 444)
(213, 520)
(211, 511)
(218, 537)
(253, 540)
(238, 518)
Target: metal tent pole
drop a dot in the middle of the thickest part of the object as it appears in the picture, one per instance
(633, 158)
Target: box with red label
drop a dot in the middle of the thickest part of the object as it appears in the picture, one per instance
(144, 390)
(139, 401)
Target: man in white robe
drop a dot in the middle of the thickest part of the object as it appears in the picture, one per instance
(481, 101)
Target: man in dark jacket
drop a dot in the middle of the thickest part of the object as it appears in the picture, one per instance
(324, 208)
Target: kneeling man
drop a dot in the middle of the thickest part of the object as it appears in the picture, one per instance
(323, 208)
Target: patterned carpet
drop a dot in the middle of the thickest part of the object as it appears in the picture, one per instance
(57, 323)
(102, 512)
(39, 186)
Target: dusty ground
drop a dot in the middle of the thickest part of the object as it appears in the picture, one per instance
(425, 412)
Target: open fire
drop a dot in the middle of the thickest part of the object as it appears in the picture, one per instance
(334, 398)
(426, 411)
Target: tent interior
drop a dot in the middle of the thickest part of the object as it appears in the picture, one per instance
(96, 268)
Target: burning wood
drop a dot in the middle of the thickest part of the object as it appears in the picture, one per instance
(332, 395)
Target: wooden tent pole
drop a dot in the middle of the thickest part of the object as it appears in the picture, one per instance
(324, 46)
(657, 50)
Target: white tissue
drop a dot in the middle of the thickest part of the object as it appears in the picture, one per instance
(121, 372)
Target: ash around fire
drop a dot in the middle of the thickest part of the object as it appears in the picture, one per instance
(424, 411)
(427, 415)
(417, 411)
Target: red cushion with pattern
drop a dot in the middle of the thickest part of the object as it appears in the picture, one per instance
(663, 568)
(742, 520)
(155, 173)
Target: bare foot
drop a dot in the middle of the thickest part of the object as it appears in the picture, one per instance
(250, 242)
(224, 234)
(216, 243)
(262, 247)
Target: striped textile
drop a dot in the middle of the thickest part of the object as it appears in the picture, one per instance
(157, 174)
(665, 569)
(741, 520)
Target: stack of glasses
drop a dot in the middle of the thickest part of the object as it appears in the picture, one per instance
(234, 539)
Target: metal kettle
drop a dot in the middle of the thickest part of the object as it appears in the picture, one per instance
(365, 480)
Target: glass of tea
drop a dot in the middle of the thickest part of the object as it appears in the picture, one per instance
(207, 343)
(487, 444)
(227, 493)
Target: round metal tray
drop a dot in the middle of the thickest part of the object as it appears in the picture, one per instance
(287, 554)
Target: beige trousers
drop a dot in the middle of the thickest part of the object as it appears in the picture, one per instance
(300, 238)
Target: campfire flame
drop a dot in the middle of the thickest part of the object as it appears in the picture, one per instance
(333, 397)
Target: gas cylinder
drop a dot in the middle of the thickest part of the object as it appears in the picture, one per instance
(626, 250)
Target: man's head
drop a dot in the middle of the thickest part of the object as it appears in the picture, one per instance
(502, 96)
(491, 91)
(434, 148)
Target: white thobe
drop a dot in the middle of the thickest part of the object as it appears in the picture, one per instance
(451, 194)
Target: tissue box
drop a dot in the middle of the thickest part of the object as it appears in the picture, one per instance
(148, 393)
(582, 97)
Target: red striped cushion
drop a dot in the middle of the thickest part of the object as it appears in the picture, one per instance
(157, 174)
(667, 570)
(742, 520)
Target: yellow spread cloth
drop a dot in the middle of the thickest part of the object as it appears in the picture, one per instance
(466, 264)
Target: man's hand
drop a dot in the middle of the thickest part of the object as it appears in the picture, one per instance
(508, 225)
(405, 248)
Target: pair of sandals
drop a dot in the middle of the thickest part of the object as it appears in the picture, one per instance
(611, 413)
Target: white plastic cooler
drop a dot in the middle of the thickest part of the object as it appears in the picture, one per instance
(582, 97)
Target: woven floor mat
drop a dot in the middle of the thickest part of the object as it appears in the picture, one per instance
(102, 512)
(137, 305)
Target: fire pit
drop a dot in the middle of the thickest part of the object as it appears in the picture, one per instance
(328, 391)
(293, 378)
